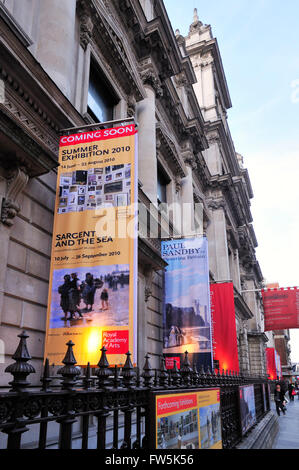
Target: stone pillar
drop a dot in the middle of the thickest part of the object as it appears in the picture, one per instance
(142, 323)
(146, 117)
(10, 189)
(217, 237)
(235, 268)
(251, 301)
(243, 350)
(57, 28)
(188, 224)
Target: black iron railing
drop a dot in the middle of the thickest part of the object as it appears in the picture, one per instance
(115, 399)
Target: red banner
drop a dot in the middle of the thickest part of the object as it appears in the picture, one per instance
(271, 363)
(281, 307)
(224, 326)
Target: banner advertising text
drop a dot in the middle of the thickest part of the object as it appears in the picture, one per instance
(92, 293)
(281, 307)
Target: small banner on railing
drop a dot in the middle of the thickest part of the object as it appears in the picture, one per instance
(281, 307)
(186, 420)
(93, 281)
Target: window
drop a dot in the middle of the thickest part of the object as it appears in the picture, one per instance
(101, 99)
(162, 182)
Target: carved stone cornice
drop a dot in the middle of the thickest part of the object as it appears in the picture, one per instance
(190, 160)
(216, 204)
(188, 154)
(206, 59)
(16, 182)
(86, 23)
(168, 148)
(19, 148)
(131, 106)
(181, 80)
(107, 37)
(213, 138)
(150, 77)
(178, 185)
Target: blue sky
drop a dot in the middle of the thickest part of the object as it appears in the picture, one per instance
(258, 41)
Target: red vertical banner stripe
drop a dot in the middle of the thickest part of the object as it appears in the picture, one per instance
(224, 326)
(271, 363)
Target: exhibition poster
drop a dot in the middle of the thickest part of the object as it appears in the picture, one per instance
(247, 407)
(186, 312)
(93, 279)
(187, 420)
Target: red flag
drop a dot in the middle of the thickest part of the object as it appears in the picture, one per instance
(281, 307)
(224, 326)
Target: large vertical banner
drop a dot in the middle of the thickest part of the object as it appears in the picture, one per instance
(281, 307)
(93, 282)
(186, 316)
(225, 346)
(271, 363)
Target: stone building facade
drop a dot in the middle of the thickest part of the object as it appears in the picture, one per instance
(72, 63)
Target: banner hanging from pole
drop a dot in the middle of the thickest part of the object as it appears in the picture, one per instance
(225, 347)
(271, 363)
(187, 316)
(281, 308)
(93, 280)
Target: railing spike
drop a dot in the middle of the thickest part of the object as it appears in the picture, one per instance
(20, 369)
(103, 372)
(46, 378)
(147, 372)
(69, 372)
(128, 372)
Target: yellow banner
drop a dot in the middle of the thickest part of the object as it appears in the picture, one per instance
(93, 283)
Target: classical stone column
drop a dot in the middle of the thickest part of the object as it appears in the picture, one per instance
(57, 28)
(188, 223)
(10, 189)
(217, 237)
(146, 117)
(243, 350)
(142, 322)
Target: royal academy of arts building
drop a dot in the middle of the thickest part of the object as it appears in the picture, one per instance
(69, 64)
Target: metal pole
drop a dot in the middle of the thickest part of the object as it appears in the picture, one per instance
(253, 290)
(97, 124)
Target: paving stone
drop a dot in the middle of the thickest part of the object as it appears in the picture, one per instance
(288, 433)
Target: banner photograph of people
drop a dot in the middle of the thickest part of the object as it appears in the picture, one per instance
(96, 296)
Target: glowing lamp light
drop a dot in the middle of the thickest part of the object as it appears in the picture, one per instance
(94, 342)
